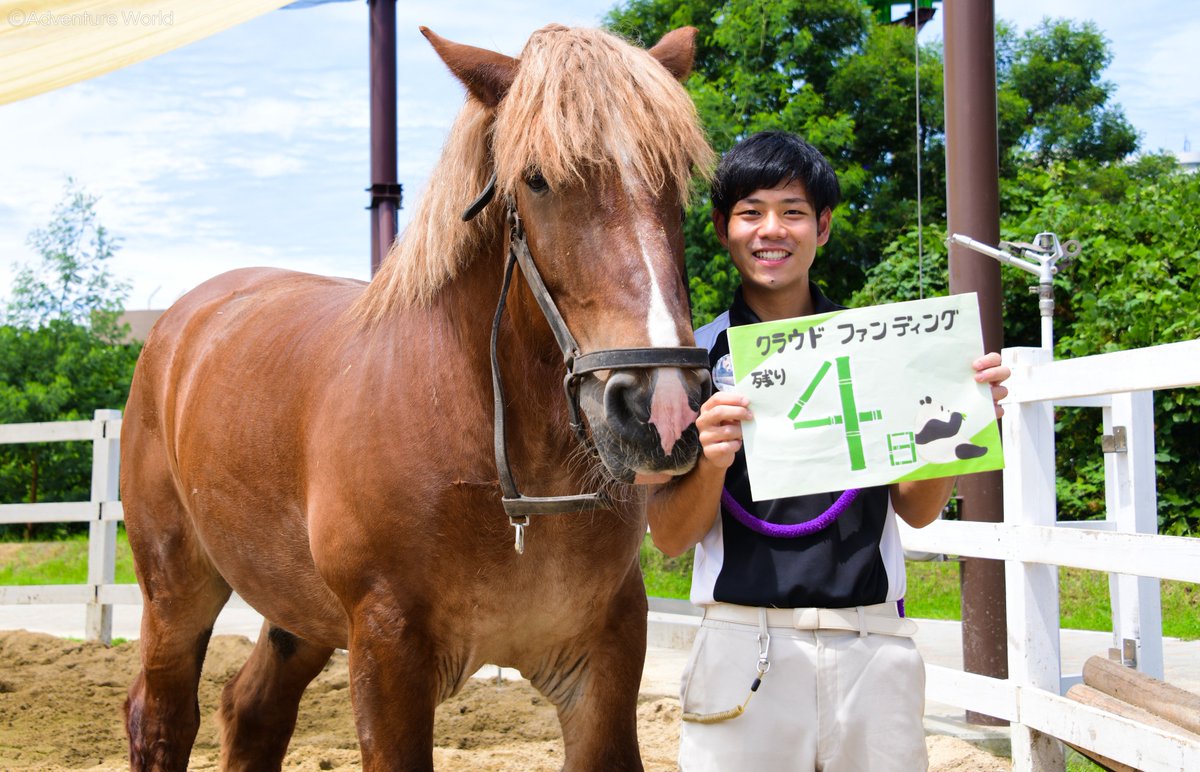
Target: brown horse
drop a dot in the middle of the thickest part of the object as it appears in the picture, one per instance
(325, 447)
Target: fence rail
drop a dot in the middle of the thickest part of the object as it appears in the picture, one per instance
(1163, 557)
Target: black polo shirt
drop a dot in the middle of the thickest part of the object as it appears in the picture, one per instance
(857, 560)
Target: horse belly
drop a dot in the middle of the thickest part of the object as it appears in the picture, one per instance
(228, 379)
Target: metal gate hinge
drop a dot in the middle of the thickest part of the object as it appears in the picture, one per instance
(1115, 442)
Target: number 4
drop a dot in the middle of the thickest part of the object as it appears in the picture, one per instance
(850, 417)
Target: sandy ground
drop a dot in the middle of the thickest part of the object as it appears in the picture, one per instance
(60, 709)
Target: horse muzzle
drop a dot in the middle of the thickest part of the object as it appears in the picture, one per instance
(643, 421)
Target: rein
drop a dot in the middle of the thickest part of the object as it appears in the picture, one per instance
(518, 506)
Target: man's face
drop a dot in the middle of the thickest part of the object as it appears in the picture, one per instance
(772, 236)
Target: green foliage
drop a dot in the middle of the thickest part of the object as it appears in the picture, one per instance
(814, 68)
(61, 355)
(72, 283)
(1056, 106)
(826, 70)
(1136, 285)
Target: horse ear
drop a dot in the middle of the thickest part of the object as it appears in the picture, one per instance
(676, 51)
(486, 74)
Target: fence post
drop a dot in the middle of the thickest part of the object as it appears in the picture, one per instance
(102, 535)
(1132, 503)
(1032, 588)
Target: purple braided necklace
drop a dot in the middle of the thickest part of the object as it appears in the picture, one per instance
(760, 526)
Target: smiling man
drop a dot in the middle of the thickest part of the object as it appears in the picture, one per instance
(814, 622)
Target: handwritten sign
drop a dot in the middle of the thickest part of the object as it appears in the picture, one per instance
(865, 397)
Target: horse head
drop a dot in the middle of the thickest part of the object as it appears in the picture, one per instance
(593, 146)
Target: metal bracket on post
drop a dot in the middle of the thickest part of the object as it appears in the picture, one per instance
(1126, 655)
(1115, 442)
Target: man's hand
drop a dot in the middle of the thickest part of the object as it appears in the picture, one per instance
(987, 370)
(683, 511)
(720, 427)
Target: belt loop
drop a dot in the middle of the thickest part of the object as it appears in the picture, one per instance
(862, 622)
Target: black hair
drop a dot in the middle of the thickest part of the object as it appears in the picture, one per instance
(769, 159)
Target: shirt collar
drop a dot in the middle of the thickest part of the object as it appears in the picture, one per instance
(741, 313)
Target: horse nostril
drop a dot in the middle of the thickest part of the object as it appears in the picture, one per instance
(624, 403)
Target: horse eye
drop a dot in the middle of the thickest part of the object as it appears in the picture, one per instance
(537, 183)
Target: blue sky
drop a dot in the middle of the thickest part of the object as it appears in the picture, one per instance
(251, 147)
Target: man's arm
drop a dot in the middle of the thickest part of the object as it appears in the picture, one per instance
(919, 502)
(682, 511)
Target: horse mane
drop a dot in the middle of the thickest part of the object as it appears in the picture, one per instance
(582, 100)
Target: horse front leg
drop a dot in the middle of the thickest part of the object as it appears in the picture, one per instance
(394, 689)
(594, 682)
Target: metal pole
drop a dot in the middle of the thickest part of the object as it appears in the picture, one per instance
(385, 186)
(973, 204)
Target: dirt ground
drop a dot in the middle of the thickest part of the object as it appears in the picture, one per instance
(60, 709)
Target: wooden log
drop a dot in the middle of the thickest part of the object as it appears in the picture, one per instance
(1178, 706)
(1098, 699)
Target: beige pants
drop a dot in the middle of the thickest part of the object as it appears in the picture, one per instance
(833, 700)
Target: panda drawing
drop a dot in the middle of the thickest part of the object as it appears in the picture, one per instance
(937, 435)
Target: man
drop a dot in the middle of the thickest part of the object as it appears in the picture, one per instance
(837, 689)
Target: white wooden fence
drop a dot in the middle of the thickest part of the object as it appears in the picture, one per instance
(1033, 545)
(1030, 541)
(101, 513)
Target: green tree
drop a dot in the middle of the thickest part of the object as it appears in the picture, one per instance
(72, 283)
(1054, 104)
(826, 70)
(759, 65)
(61, 352)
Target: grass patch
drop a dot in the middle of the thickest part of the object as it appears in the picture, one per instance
(1077, 762)
(665, 577)
(58, 562)
(934, 593)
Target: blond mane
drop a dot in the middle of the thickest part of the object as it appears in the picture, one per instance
(582, 99)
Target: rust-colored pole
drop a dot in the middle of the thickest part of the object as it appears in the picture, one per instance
(973, 209)
(385, 186)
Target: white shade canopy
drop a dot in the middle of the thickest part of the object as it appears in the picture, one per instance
(48, 44)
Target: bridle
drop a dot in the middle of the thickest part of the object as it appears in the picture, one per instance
(518, 506)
